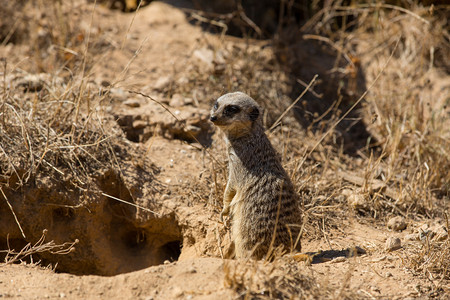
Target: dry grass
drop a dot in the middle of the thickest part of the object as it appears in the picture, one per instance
(239, 65)
(54, 122)
(406, 114)
(402, 171)
(56, 128)
(407, 111)
(56, 132)
(281, 279)
(430, 259)
(27, 252)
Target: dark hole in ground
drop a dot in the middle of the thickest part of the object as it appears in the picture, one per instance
(135, 239)
(133, 248)
(172, 250)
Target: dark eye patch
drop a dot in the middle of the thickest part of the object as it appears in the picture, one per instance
(254, 114)
(231, 110)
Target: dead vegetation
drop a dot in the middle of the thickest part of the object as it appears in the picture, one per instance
(282, 280)
(40, 246)
(429, 258)
(54, 126)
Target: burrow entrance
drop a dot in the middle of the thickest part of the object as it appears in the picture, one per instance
(114, 237)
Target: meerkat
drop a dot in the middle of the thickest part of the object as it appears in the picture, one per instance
(259, 196)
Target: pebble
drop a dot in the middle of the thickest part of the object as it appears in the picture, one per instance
(139, 124)
(162, 83)
(338, 259)
(440, 232)
(354, 199)
(437, 232)
(393, 243)
(397, 223)
(132, 103)
(177, 100)
(205, 55)
(412, 237)
(118, 94)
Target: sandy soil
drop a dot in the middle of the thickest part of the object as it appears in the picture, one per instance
(158, 52)
(376, 274)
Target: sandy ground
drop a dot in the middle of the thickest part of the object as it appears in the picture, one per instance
(376, 274)
(168, 46)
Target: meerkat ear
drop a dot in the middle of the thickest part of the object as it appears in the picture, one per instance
(254, 114)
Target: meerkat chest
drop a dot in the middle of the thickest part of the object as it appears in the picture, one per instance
(234, 164)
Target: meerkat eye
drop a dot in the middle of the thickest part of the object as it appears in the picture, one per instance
(231, 110)
(216, 106)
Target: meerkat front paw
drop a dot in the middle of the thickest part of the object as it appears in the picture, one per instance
(225, 212)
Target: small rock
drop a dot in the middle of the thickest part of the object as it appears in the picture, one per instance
(424, 227)
(412, 237)
(397, 223)
(139, 124)
(162, 83)
(188, 101)
(118, 94)
(183, 80)
(219, 69)
(205, 55)
(132, 103)
(356, 201)
(195, 130)
(338, 259)
(393, 243)
(440, 232)
(176, 100)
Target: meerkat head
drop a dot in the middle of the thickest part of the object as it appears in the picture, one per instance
(236, 114)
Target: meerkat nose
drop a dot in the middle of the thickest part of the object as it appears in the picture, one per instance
(213, 118)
